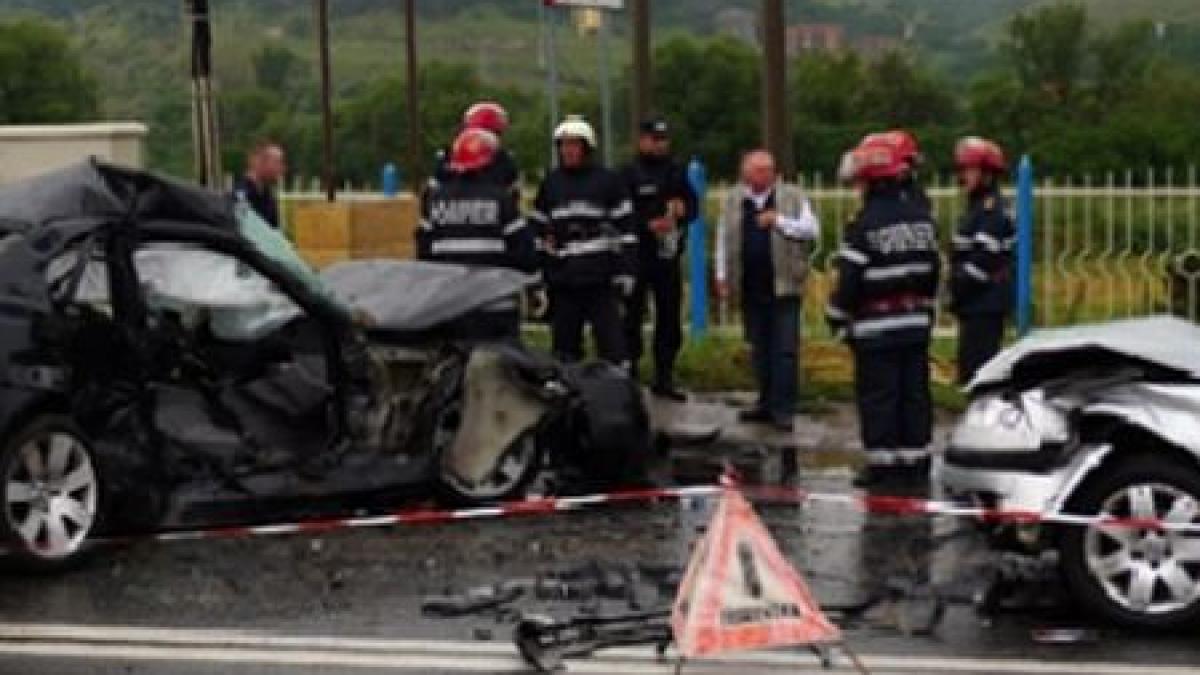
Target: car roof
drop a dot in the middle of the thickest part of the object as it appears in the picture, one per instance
(101, 193)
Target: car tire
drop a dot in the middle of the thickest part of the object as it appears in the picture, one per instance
(1139, 578)
(50, 495)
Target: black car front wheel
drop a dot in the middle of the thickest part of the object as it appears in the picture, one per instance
(50, 494)
(1143, 577)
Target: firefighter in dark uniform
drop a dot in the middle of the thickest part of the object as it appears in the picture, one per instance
(489, 116)
(663, 205)
(469, 219)
(981, 266)
(583, 223)
(884, 305)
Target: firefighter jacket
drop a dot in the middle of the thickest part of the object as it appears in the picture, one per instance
(981, 271)
(583, 223)
(470, 219)
(888, 273)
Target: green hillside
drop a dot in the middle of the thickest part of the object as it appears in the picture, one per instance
(264, 55)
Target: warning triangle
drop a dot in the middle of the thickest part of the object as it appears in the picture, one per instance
(740, 593)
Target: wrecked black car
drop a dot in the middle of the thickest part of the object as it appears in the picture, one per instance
(169, 362)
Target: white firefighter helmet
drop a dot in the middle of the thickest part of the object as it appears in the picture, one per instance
(574, 126)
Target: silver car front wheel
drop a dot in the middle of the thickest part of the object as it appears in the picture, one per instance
(50, 493)
(1150, 571)
(1148, 576)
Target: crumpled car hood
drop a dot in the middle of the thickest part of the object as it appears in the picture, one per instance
(1164, 343)
(412, 296)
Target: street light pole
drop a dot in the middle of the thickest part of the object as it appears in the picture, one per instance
(205, 144)
(776, 133)
(327, 173)
(414, 119)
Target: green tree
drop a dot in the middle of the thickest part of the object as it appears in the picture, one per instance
(1122, 59)
(710, 92)
(42, 79)
(1048, 48)
(274, 67)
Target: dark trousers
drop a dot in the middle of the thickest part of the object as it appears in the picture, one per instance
(663, 281)
(895, 409)
(773, 329)
(979, 339)
(571, 308)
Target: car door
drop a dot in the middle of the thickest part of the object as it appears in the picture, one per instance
(242, 376)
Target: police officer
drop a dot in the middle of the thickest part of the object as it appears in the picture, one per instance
(489, 116)
(981, 265)
(884, 304)
(469, 219)
(663, 205)
(583, 223)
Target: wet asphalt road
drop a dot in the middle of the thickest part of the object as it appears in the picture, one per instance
(369, 584)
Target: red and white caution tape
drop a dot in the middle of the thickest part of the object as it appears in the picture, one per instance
(876, 504)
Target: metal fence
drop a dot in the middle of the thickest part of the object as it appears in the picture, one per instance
(1118, 245)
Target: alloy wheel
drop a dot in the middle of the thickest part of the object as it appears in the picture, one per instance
(1147, 570)
(51, 495)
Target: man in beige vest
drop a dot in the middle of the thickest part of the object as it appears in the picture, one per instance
(764, 240)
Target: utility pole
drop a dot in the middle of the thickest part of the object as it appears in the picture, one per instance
(776, 132)
(327, 173)
(551, 17)
(414, 119)
(206, 148)
(641, 101)
(606, 88)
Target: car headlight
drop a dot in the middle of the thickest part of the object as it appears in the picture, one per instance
(1026, 422)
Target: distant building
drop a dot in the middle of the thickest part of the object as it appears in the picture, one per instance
(874, 46)
(815, 37)
(739, 23)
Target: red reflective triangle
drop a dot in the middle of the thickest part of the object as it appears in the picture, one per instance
(740, 593)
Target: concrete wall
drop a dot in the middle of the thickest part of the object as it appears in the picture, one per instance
(31, 150)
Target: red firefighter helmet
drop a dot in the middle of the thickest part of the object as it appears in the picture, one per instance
(487, 115)
(903, 141)
(877, 158)
(473, 149)
(979, 153)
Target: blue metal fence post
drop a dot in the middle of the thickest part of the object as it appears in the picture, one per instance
(390, 180)
(697, 251)
(1025, 212)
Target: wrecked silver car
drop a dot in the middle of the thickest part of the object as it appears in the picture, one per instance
(168, 361)
(1095, 420)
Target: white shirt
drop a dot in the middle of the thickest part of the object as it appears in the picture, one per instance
(803, 227)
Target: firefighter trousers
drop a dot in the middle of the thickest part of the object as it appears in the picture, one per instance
(895, 407)
(574, 307)
(979, 339)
